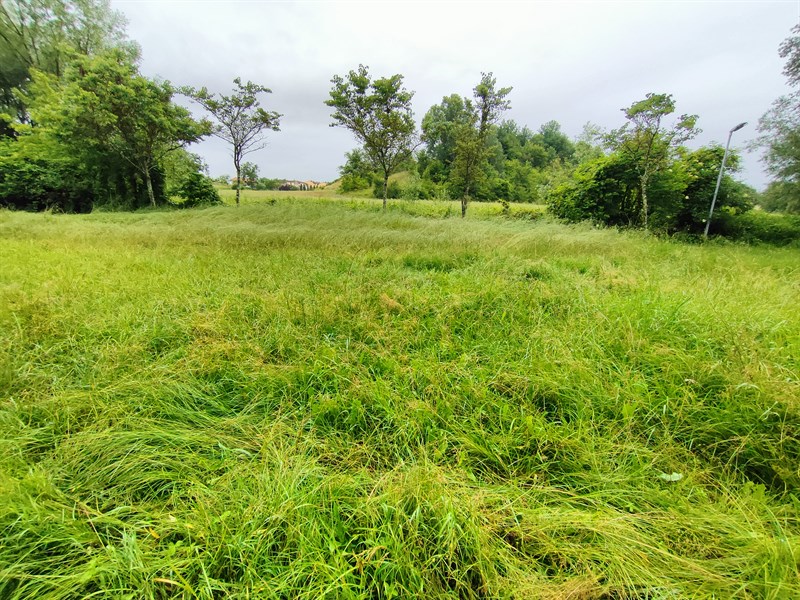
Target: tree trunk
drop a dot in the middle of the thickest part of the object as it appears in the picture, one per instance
(644, 200)
(385, 189)
(238, 181)
(149, 183)
(464, 201)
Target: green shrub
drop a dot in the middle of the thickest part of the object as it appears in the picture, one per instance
(393, 191)
(196, 190)
(353, 183)
(757, 226)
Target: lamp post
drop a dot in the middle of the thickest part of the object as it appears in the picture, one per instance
(719, 179)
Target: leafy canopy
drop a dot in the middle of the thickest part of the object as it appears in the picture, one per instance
(472, 150)
(240, 119)
(779, 130)
(647, 142)
(378, 113)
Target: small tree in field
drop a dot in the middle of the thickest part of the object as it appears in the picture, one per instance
(240, 119)
(379, 115)
(471, 136)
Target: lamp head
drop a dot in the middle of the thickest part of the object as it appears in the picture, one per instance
(738, 127)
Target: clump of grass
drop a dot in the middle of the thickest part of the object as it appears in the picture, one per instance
(259, 402)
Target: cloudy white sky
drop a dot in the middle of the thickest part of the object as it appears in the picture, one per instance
(569, 61)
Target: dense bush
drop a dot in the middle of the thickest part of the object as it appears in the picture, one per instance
(757, 226)
(393, 191)
(602, 190)
(42, 185)
(196, 190)
(354, 183)
(607, 190)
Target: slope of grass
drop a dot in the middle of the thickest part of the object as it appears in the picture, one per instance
(312, 399)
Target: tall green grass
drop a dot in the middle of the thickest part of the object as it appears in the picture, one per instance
(312, 399)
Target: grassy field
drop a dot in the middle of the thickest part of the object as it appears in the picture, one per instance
(309, 398)
(363, 200)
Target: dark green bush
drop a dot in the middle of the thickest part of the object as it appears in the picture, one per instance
(196, 190)
(393, 191)
(353, 183)
(757, 226)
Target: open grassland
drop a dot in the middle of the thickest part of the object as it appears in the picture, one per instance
(312, 399)
(363, 200)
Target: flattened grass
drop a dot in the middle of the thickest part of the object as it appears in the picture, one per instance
(312, 399)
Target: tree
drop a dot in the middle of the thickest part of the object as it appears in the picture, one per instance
(47, 35)
(472, 135)
(240, 119)
(379, 114)
(780, 131)
(607, 190)
(249, 175)
(559, 146)
(780, 196)
(119, 109)
(357, 172)
(647, 142)
(117, 125)
(439, 127)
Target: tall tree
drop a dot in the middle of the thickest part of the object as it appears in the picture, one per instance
(472, 136)
(379, 114)
(555, 141)
(240, 120)
(103, 109)
(439, 128)
(780, 131)
(647, 142)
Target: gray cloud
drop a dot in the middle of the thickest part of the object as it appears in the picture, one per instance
(570, 61)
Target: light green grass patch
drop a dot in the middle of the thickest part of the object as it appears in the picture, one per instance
(311, 398)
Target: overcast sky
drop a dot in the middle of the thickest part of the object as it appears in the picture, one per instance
(569, 61)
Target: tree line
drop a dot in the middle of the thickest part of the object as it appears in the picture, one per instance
(81, 127)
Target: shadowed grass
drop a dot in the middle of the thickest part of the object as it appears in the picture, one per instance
(310, 398)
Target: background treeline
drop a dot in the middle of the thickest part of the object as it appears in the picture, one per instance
(594, 177)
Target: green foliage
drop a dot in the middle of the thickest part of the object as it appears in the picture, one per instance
(196, 190)
(604, 190)
(116, 126)
(39, 174)
(393, 190)
(249, 175)
(418, 188)
(517, 164)
(239, 119)
(47, 35)
(648, 144)
(781, 196)
(439, 133)
(472, 149)
(759, 227)
(357, 173)
(178, 165)
(780, 134)
(266, 183)
(378, 113)
(607, 191)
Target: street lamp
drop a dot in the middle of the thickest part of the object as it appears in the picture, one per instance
(719, 179)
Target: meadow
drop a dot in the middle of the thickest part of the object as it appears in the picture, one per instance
(305, 397)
